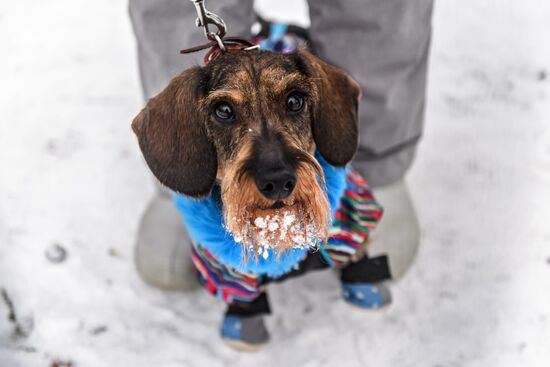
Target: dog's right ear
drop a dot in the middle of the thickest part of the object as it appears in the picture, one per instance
(335, 127)
(172, 135)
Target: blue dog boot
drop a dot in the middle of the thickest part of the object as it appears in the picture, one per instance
(244, 333)
(368, 296)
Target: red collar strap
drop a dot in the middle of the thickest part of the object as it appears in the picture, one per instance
(230, 44)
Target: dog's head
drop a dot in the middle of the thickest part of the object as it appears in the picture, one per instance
(251, 120)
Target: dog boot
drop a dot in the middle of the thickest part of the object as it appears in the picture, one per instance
(398, 233)
(368, 296)
(163, 248)
(244, 333)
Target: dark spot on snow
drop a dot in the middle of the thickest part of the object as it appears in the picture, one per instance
(56, 253)
(21, 328)
(457, 106)
(80, 58)
(113, 252)
(448, 240)
(99, 330)
(9, 303)
(58, 363)
(548, 260)
(64, 146)
(521, 346)
(26, 349)
(509, 86)
(172, 330)
(542, 75)
(448, 295)
(502, 278)
(51, 146)
(472, 167)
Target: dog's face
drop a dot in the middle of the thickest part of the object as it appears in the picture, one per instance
(251, 120)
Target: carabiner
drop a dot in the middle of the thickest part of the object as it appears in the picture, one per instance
(206, 18)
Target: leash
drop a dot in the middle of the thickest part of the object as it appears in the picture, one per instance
(218, 43)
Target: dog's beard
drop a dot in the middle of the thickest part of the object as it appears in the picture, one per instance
(259, 224)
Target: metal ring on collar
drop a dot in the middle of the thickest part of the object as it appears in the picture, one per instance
(218, 40)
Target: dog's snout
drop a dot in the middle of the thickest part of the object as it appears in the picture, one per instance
(276, 184)
(272, 165)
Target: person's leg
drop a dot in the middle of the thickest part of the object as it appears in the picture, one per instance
(162, 28)
(384, 45)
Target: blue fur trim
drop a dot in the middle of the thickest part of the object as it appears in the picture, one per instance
(204, 221)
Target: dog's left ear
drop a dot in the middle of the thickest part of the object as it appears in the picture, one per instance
(335, 125)
(172, 136)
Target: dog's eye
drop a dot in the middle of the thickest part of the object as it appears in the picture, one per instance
(295, 102)
(223, 112)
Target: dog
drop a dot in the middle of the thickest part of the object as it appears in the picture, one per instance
(262, 133)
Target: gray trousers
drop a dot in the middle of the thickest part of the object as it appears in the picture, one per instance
(383, 44)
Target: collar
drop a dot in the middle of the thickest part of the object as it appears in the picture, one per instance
(219, 47)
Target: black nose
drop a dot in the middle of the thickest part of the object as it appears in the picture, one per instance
(276, 184)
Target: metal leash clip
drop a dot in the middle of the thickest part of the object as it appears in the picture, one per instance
(205, 19)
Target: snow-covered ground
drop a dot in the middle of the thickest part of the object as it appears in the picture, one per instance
(71, 175)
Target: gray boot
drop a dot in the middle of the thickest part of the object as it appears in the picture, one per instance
(163, 248)
(398, 234)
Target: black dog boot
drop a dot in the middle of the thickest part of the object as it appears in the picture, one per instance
(365, 283)
(246, 333)
(243, 325)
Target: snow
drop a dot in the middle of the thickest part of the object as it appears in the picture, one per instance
(267, 232)
(260, 222)
(71, 177)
